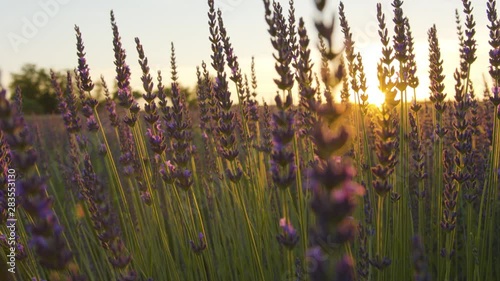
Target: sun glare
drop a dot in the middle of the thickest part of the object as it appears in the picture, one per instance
(375, 97)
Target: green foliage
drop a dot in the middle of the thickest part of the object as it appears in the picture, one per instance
(35, 84)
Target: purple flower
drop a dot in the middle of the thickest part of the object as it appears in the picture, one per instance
(125, 96)
(46, 233)
(345, 269)
(92, 124)
(200, 245)
(317, 261)
(289, 237)
(83, 68)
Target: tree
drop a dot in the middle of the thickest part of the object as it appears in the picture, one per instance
(38, 95)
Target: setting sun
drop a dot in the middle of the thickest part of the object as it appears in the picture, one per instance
(375, 97)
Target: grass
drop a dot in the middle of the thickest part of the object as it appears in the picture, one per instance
(316, 189)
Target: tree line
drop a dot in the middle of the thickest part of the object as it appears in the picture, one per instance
(38, 95)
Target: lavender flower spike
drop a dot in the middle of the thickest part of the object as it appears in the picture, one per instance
(289, 238)
(47, 238)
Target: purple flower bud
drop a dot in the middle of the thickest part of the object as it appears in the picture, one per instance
(289, 238)
(345, 269)
(102, 149)
(200, 245)
(92, 124)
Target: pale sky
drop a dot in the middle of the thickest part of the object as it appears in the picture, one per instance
(41, 32)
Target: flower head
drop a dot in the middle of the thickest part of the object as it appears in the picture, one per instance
(289, 237)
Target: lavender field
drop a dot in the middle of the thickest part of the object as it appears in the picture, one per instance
(320, 184)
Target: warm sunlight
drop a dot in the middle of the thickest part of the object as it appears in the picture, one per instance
(375, 96)
(227, 140)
